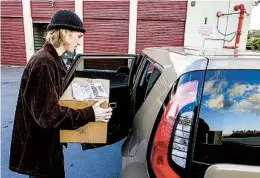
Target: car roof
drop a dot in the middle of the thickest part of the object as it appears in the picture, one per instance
(185, 59)
(208, 52)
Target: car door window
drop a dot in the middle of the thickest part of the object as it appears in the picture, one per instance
(152, 78)
(136, 65)
(149, 75)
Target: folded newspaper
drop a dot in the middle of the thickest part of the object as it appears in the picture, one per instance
(88, 91)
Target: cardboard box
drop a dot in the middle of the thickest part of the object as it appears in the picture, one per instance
(93, 132)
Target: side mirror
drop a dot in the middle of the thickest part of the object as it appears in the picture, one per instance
(232, 171)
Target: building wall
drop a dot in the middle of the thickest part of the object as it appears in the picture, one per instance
(107, 23)
(12, 33)
(201, 24)
(159, 23)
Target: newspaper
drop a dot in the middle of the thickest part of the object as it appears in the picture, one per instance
(88, 91)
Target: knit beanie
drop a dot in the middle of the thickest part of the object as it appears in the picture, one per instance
(66, 19)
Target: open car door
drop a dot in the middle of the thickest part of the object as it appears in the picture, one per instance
(120, 70)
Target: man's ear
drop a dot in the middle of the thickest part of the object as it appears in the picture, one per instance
(65, 36)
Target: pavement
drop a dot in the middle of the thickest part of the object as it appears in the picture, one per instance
(103, 162)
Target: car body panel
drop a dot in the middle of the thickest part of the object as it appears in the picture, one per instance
(232, 171)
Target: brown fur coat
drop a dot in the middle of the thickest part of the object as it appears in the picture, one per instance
(35, 148)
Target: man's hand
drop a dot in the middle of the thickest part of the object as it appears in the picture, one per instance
(102, 114)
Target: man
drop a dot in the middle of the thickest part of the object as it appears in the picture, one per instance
(35, 147)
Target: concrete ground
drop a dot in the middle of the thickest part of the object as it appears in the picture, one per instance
(98, 163)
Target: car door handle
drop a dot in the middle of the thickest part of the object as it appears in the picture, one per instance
(113, 105)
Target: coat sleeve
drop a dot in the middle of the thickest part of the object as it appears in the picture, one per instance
(41, 99)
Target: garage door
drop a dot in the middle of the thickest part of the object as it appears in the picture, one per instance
(106, 24)
(13, 51)
(160, 23)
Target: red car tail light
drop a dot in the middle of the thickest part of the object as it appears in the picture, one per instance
(185, 94)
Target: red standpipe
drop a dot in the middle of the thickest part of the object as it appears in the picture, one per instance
(242, 9)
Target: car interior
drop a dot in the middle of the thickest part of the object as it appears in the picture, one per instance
(120, 89)
(124, 94)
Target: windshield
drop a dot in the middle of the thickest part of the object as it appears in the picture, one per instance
(229, 120)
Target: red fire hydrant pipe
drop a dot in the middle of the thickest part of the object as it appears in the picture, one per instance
(242, 9)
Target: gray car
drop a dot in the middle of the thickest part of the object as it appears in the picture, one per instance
(183, 111)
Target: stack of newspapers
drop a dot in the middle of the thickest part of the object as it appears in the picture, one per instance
(88, 91)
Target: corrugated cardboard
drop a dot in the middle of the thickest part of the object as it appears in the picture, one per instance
(93, 132)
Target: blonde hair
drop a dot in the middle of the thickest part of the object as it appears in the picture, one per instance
(56, 37)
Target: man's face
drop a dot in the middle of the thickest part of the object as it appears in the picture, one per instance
(72, 40)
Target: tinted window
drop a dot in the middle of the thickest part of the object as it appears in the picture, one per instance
(148, 78)
(136, 66)
(229, 119)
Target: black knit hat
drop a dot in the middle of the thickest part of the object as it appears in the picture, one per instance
(66, 19)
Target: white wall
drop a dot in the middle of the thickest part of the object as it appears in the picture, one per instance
(254, 21)
(80, 48)
(227, 24)
(79, 12)
(28, 29)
